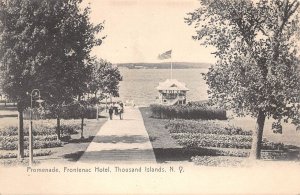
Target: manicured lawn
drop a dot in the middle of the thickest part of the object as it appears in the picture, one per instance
(208, 144)
(74, 148)
(159, 136)
(69, 150)
(289, 134)
(166, 149)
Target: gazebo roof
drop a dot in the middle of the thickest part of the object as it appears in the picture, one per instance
(172, 84)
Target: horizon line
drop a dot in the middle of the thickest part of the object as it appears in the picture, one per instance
(162, 62)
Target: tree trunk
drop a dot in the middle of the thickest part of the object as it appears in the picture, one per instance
(105, 103)
(82, 122)
(97, 112)
(20, 135)
(58, 127)
(257, 136)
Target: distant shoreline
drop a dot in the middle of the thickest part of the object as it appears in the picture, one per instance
(164, 65)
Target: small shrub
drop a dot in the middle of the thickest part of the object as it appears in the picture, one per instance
(73, 112)
(69, 129)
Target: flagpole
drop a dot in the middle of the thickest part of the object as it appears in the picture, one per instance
(167, 55)
(171, 68)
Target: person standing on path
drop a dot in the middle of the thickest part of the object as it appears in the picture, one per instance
(111, 111)
(121, 110)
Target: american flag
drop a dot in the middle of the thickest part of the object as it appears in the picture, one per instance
(165, 55)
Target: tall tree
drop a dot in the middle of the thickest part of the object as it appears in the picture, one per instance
(45, 45)
(106, 78)
(15, 54)
(72, 37)
(256, 47)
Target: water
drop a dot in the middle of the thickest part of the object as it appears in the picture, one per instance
(140, 84)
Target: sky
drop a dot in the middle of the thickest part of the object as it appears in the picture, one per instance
(139, 30)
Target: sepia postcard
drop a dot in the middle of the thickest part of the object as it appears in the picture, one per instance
(149, 96)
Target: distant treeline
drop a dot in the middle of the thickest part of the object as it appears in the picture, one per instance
(164, 65)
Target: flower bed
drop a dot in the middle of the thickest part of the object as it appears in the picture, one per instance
(41, 129)
(221, 141)
(219, 161)
(37, 144)
(13, 154)
(201, 111)
(234, 160)
(213, 140)
(226, 140)
(38, 137)
(206, 127)
(44, 136)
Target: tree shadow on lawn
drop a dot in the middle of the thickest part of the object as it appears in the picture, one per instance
(120, 139)
(110, 139)
(74, 156)
(8, 116)
(115, 156)
(181, 154)
(185, 154)
(81, 140)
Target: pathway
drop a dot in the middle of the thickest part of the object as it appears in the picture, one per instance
(121, 141)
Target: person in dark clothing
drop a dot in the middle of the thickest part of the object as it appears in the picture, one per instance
(116, 110)
(121, 110)
(110, 111)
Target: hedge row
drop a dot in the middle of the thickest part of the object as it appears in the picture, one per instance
(187, 112)
(221, 141)
(206, 127)
(68, 112)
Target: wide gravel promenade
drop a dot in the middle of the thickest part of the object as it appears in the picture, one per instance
(121, 141)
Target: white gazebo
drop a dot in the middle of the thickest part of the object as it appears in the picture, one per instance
(172, 92)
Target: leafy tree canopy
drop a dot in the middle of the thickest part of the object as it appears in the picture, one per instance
(256, 47)
(46, 45)
(106, 78)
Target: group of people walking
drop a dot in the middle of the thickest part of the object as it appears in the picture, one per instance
(117, 108)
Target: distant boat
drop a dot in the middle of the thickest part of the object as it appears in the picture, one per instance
(172, 92)
(139, 67)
